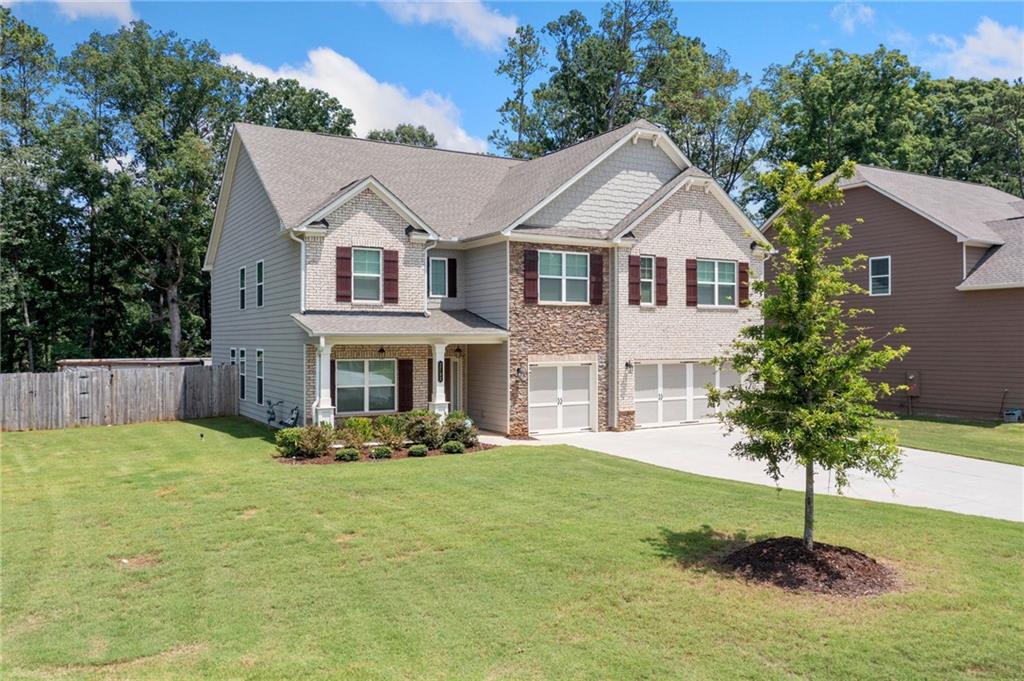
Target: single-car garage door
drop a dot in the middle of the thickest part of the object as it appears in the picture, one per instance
(561, 397)
(670, 393)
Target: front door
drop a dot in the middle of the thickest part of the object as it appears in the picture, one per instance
(453, 382)
(560, 398)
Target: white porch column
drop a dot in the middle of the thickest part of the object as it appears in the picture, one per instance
(439, 402)
(323, 408)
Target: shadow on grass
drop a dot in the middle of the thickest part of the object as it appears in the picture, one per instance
(702, 549)
(237, 427)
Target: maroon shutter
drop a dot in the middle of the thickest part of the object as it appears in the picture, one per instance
(596, 278)
(744, 284)
(634, 280)
(691, 283)
(343, 274)
(453, 277)
(334, 382)
(390, 276)
(661, 280)
(530, 282)
(405, 385)
(430, 379)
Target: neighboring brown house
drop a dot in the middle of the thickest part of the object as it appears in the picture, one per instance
(946, 261)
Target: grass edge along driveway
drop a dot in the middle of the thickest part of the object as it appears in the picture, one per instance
(988, 440)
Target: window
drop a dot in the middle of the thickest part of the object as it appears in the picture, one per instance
(646, 279)
(259, 283)
(241, 288)
(365, 385)
(241, 373)
(564, 277)
(716, 283)
(366, 274)
(880, 275)
(259, 376)
(231, 356)
(438, 277)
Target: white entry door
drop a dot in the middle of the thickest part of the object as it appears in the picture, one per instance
(561, 398)
(661, 394)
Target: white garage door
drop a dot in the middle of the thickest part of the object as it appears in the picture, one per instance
(561, 398)
(670, 393)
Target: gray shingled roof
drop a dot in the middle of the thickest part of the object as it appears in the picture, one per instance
(458, 194)
(1002, 266)
(964, 207)
(386, 323)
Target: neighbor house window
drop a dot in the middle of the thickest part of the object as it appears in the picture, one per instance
(232, 353)
(259, 283)
(880, 275)
(365, 385)
(259, 376)
(716, 283)
(366, 274)
(564, 277)
(241, 288)
(438, 277)
(241, 373)
(646, 280)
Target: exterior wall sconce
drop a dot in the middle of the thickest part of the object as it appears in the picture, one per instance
(380, 351)
(521, 373)
(629, 365)
(458, 351)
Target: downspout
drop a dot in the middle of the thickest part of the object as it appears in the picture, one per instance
(302, 270)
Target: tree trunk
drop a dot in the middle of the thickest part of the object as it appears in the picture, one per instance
(809, 507)
(174, 317)
(28, 330)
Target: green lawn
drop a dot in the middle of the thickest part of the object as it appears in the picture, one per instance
(517, 563)
(977, 439)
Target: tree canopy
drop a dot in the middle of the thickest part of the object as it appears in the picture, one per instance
(406, 133)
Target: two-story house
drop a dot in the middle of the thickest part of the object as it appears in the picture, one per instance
(585, 289)
(945, 261)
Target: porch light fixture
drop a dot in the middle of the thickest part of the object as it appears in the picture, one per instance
(458, 351)
(521, 373)
(380, 351)
(629, 365)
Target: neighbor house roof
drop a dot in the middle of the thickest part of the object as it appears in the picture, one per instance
(377, 323)
(1002, 266)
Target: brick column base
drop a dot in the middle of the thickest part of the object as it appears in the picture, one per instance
(627, 420)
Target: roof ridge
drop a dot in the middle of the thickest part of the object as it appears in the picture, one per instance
(936, 177)
(592, 138)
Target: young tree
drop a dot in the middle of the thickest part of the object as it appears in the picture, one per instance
(806, 397)
(405, 133)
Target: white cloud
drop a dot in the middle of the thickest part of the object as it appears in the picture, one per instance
(992, 51)
(850, 14)
(469, 19)
(116, 9)
(375, 104)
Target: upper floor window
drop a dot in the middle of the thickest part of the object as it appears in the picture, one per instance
(564, 277)
(880, 275)
(716, 283)
(438, 277)
(241, 288)
(365, 385)
(259, 283)
(366, 274)
(646, 279)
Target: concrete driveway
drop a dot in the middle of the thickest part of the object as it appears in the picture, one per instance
(927, 479)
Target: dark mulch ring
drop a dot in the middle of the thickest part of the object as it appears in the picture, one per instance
(834, 570)
(365, 456)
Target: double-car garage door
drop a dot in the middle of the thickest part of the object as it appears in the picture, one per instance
(670, 393)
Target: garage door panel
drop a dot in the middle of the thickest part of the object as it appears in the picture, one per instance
(703, 375)
(646, 382)
(673, 381)
(673, 411)
(544, 418)
(543, 385)
(576, 384)
(647, 413)
(575, 416)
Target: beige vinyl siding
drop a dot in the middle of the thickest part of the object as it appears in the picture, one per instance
(486, 284)
(251, 232)
(487, 386)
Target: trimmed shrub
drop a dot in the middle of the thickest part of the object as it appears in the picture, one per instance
(460, 428)
(355, 431)
(347, 454)
(423, 427)
(380, 452)
(418, 450)
(453, 447)
(287, 441)
(389, 431)
(308, 442)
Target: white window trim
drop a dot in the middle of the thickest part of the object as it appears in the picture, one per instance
(260, 359)
(564, 277)
(654, 264)
(430, 278)
(871, 278)
(261, 271)
(366, 386)
(735, 285)
(241, 374)
(241, 287)
(379, 277)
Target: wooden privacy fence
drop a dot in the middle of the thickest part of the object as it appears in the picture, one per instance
(100, 397)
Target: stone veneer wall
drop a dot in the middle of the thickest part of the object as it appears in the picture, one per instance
(546, 331)
(419, 354)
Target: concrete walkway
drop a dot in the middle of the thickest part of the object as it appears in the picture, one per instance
(927, 479)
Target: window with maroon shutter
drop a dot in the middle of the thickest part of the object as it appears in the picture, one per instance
(405, 385)
(634, 280)
(691, 283)
(744, 278)
(334, 384)
(530, 283)
(390, 276)
(453, 275)
(343, 274)
(596, 278)
(661, 280)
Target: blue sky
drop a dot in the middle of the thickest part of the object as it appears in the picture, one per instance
(433, 63)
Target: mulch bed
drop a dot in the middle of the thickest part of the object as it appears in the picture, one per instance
(365, 456)
(834, 570)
